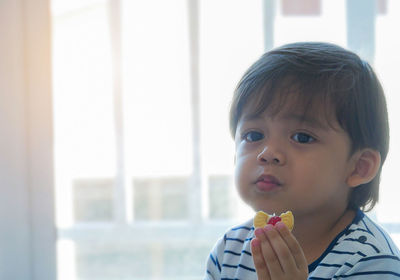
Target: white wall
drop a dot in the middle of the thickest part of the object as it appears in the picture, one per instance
(27, 232)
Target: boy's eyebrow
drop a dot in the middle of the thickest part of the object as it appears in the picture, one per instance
(304, 119)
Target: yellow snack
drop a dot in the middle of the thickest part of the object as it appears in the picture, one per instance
(261, 219)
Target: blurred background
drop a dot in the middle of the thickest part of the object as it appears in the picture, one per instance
(115, 155)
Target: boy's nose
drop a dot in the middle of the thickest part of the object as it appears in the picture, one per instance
(268, 156)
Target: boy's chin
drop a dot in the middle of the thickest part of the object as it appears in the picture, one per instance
(271, 208)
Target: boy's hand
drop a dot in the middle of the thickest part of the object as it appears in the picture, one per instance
(277, 255)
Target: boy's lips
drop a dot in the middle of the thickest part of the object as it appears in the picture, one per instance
(267, 183)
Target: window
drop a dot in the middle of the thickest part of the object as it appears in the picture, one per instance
(143, 153)
(143, 156)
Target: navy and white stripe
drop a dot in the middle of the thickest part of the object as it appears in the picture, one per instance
(233, 253)
(362, 251)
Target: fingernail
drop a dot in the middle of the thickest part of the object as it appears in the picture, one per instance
(268, 227)
(258, 231)
(280, 225)
(255, 242)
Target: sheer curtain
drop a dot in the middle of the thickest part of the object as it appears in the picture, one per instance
(27, 232)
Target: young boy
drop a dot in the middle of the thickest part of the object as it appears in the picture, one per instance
(311, 132)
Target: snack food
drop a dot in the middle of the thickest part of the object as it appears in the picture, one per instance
(261, 219)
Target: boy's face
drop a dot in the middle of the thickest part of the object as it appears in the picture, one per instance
(284, 163)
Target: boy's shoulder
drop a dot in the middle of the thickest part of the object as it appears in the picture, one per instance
(237, 236)
(244, 230)
(231, 255)
(367, 237)
(362, 249)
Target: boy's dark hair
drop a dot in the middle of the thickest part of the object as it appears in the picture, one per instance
(323, 77)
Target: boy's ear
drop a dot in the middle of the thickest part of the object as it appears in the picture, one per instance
(366, 164)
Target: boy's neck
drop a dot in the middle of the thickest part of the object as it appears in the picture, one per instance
(316, 233)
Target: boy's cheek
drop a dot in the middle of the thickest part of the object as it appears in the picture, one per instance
(241, 171)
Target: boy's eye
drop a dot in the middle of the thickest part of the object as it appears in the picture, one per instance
(303, 138)
(253, 136)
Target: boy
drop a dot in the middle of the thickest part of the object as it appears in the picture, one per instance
(311, 134)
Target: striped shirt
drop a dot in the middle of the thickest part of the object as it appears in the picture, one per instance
(363, 250)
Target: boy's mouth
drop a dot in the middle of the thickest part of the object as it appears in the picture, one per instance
(266, 183)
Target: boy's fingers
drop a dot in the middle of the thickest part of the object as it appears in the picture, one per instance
(259, 263)
(283, 255)
(293, 246)
(270, 258)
